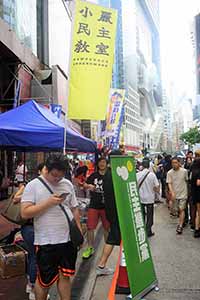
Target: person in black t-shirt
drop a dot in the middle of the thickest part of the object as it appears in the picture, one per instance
(114, 235)
(190, 208)
(96, 209)
(195, 193)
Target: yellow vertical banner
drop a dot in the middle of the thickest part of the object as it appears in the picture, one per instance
(92, 57)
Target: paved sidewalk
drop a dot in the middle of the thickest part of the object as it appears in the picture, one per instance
(176, 259)
(103, 283)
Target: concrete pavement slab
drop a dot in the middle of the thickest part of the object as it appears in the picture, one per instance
(103, 283)
(176, 259)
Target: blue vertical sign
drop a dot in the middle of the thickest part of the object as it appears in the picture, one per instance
(56, 109)
(17, 94)
(114, 118)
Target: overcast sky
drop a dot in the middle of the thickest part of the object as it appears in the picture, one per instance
(177, 58)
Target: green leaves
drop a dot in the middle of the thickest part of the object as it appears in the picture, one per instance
(192, 136)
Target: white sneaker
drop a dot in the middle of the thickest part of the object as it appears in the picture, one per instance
(104, 271)
(32, 295)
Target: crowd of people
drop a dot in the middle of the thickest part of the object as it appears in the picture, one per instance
(88, 197)
(46, 233)
(178, 181)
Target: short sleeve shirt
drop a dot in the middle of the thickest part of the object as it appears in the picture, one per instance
(146, 191)
(51, 227)
(20, 173)
(178, 179)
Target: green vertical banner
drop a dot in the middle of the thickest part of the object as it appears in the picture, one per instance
(140, 268)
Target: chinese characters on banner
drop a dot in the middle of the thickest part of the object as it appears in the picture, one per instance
(114, 117)
(141, 272)
(138, 222)
(92, 57)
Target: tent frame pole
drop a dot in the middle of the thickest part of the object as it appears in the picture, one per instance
(24, 170)
(65, 136)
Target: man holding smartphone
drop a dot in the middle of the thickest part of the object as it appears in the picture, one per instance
(56, 256)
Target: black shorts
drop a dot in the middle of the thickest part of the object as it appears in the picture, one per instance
(114, 235)
(52, 259)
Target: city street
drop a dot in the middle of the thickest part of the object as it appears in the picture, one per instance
(99, 123)
(176, 260)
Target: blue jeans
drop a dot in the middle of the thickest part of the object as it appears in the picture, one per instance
(28, 236)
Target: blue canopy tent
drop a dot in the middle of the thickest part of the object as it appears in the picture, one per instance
(32, 127)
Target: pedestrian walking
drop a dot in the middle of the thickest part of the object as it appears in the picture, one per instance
(96, 209)
(148, 187)
(56, 255)
(177, 179)
(190, 210)
(195, 192)
(114, 234)
(165, 166)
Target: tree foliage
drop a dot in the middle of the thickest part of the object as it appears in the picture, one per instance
(192, 136)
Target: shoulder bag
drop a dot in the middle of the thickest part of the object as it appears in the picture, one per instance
(12, 211)
(76, 236)
(143, 179)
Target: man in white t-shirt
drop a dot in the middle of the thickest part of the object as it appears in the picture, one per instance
(177, 179)
(56, 256)
(148, 186)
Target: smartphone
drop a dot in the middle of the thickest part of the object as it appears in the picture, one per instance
(64, 195)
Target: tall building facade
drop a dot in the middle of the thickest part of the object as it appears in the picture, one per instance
(197, 46)
(195, 36)
(167, 126)
(21, 23)
(137, 69)
(21, 16)
(149, 77)
(32, 50)
(182, 121)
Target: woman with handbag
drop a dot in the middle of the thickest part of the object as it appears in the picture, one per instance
(27, 232)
